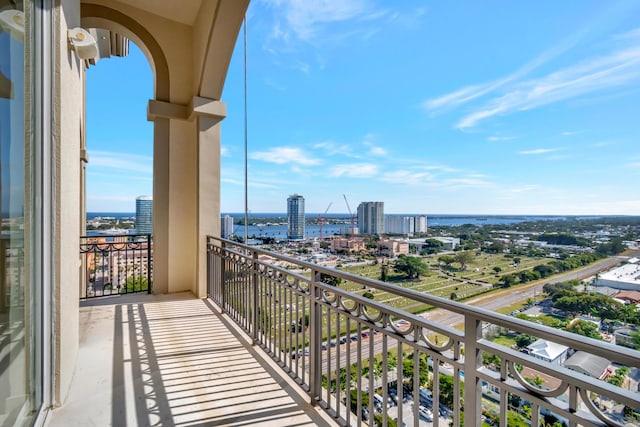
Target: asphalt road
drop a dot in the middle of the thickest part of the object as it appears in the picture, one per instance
(507, 297)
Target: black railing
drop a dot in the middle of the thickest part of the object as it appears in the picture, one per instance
(115, 265)
(368, 363)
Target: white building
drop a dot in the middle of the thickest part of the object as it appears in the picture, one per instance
(548, 351)
(625, 277)
(407, 225)
(399, 224)
(226, 227)
(420, 224)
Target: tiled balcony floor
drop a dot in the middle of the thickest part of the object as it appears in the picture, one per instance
(173, 360)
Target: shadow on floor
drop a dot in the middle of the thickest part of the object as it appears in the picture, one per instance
(177, 362)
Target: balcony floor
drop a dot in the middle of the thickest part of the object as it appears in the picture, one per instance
(174, 360)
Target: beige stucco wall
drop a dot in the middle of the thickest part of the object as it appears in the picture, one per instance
(68, 124)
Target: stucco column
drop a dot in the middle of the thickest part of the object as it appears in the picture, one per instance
(186, 192)
(209, 114)
(160, 205)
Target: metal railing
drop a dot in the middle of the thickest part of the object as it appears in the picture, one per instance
(115, 265)
(368, 363)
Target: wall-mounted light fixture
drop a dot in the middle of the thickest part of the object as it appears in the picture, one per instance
(12, 21)
(83, 43)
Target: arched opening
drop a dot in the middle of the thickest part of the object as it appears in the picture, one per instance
(118, 26)
(117, 170)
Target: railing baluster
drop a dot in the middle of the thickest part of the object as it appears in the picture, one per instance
(472, 361)
(272, 307)
(315, 309)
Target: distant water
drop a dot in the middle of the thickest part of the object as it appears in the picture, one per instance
(280, 231)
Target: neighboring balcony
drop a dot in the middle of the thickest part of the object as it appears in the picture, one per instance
(276, 344)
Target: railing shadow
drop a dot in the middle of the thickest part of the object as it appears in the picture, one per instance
(183, 365)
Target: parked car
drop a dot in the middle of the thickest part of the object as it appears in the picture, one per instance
(425, 413)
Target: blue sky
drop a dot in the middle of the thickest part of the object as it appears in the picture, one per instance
(493, 107)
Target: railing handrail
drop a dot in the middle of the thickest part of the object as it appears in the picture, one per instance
(117, 235)
(620, 354)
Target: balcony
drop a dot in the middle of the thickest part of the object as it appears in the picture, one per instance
(276, 344)
(174, 360)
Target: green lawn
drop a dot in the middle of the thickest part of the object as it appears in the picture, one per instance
(442, 284)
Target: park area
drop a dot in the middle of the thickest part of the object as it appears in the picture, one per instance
(451, 282)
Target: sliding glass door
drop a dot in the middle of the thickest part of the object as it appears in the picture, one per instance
(21, 299)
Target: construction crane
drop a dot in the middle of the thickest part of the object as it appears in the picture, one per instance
(321, 218)
(350, 214)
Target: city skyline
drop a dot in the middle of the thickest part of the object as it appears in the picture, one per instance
(444, 109)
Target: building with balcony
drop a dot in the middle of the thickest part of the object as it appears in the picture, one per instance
(392, 248)
(295, 217)
(226, 227)
(371, 217)
(144, 215)
(347, 245)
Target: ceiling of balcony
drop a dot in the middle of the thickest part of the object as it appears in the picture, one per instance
(183, 11)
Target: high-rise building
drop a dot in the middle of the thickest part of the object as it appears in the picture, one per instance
(144, 215)
(295, 217)
(226, 226)
(420, 224)
(399, 224)
(371, 217)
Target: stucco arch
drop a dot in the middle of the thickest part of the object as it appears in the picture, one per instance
(97, 16)
(100, 16)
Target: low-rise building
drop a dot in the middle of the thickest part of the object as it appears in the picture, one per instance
(625, 337)
(589, 364)
(341, 244)
(625, 277)
(392, 248)
(548, 351)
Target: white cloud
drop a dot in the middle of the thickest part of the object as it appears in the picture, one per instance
(224, 151)
(305, 19)
(568, 133)
(284, 155)
(500, 138)
(537, 151)
(407, 177)
(331, 148)
(613, 70)
(469, 93)
(634, 164)
(377, 151)
(119, 161)
(354, 170)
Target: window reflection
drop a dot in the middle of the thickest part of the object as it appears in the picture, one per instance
(16, 333)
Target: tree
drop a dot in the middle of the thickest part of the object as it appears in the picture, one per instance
(433, 246)
(303, 321)
(447, 390)
(453, 296)
(447, 260)
(495, 247)
(535, 381)
(523, 340)
(368, 295)
(464, 258)
(497, 269)
(412, 267)
(508, 280)
(135, 284)
(585, 328)
(384, 272)
(544, 270)
(330, 280)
